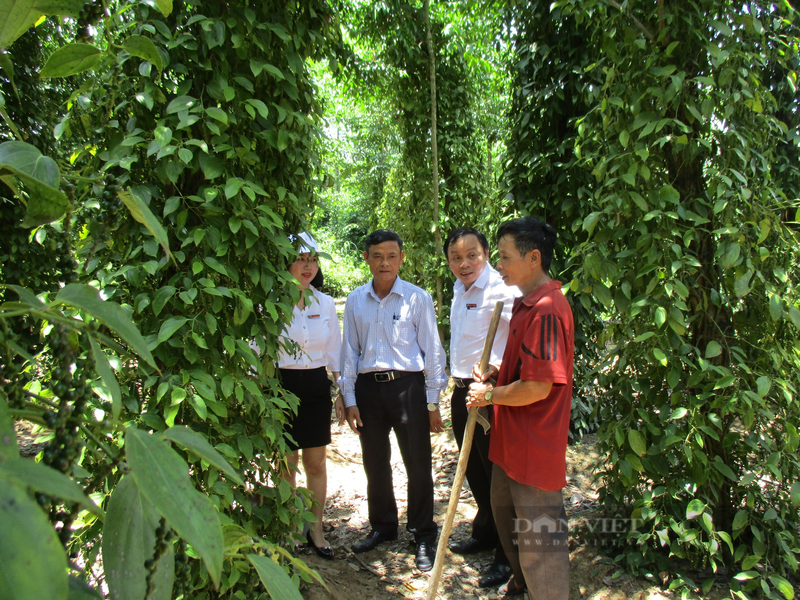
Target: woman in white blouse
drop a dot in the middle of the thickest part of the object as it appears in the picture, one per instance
(315, 330)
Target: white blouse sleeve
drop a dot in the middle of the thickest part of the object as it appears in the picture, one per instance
(333, 349)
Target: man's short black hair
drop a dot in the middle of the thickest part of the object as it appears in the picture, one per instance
(457, 234)
(531, 234)
(382, 235)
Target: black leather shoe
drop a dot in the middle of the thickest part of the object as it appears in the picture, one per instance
(497, 574)
(322, 551)
(512, 590)
(426, 555)
(373, 539)
(470, 546)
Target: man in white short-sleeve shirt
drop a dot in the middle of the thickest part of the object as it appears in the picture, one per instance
(477, 289)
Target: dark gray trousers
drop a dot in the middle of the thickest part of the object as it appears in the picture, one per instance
(532, 525)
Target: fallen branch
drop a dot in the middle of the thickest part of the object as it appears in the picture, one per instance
(347, 458)
(334, 594)
(372, 570)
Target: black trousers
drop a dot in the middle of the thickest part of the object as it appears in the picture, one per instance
(400, 405)
(479, 471)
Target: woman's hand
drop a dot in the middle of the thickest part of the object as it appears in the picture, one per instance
(339, 406)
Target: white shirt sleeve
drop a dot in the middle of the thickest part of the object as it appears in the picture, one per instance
(432, 352)
(499, 345)
(351, 351)
(333, 349)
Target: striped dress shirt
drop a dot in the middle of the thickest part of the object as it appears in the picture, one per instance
(397, 333)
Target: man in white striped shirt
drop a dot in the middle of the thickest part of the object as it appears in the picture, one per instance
(392, 375)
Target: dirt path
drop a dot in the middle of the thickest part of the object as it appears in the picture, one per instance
(389, 572)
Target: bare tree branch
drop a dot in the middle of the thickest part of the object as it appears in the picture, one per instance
(636, 21)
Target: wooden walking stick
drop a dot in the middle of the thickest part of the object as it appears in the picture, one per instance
(463, 457)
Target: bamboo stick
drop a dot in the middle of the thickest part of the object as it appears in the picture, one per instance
(461, 469)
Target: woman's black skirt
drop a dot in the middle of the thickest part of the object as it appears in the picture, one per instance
(311, 427)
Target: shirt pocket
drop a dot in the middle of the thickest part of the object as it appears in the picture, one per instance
(403, 332)
(476, 323)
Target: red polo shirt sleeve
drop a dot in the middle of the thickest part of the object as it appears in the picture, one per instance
(544, 340)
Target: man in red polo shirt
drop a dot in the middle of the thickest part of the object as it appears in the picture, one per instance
(531, 409)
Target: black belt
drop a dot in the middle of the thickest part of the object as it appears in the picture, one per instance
(386, 376)
(462, 382)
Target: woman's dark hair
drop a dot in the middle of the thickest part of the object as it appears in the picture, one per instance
(319, 279)
(531, 234)
(457, 234)
(382, 235)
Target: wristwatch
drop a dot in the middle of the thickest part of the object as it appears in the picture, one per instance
(487, 395)
(432, 407)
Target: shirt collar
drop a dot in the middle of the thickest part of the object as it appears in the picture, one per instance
(312, 300)
(397, 288)
(480, 282)
(537, 294)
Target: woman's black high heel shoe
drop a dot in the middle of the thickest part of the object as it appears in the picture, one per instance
(301, 546)
(324, 552)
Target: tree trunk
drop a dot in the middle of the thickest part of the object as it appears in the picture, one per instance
(489, 159)
(437, 233)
